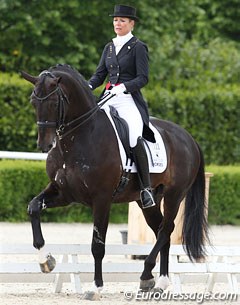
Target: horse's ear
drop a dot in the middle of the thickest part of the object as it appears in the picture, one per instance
(28, 77)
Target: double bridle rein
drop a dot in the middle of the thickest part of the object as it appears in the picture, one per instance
(60, 124)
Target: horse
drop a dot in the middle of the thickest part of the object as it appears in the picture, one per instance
(84, 166)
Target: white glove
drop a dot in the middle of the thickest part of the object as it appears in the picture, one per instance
(118, 89)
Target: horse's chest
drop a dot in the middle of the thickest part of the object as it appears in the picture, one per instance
(70, 176)
(60, 178)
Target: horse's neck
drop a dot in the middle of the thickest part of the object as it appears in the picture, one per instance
(80, 102)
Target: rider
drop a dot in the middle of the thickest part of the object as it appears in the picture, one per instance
(125, 61)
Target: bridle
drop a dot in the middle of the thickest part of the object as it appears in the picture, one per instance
(62, 101)
(60, 124)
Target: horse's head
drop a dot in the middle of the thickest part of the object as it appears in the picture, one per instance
(49, 102)
(63, 102)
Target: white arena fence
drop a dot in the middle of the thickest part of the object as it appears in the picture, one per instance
(75, 265)
(22, 155)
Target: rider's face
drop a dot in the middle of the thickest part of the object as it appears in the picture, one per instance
(122, 25)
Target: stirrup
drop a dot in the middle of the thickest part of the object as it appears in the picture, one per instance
(147, 198)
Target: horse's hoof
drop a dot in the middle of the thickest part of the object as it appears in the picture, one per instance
(49, 265)
(147, 285)
(91, 296)
(157, 289)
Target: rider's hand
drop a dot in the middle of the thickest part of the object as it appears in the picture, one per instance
(118, 89)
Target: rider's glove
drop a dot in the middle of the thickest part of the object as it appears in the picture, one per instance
(118, 89)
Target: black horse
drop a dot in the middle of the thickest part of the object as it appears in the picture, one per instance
(84, 166)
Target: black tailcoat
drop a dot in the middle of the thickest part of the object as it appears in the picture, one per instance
(130, 67)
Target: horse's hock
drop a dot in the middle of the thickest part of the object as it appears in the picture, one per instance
(140, 233)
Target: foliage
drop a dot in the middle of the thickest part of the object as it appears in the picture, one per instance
(224, 195)
(17, 128)
(211, 114)
(194, 62)
(44, 32)
(200, 91)
(191, 64)
(224, 16)
(20, 181)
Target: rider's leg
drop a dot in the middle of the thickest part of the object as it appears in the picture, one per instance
(128, 110)
(141, 161)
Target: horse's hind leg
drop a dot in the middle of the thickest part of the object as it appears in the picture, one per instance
(153, 218)
(171, 205)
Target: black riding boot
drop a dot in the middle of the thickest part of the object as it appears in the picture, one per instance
(141, 161)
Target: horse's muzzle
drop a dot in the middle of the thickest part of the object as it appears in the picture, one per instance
(45, 143)
(45, 149)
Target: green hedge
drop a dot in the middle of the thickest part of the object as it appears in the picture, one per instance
(17, 126)
(224, 195)
(209, 112)
(20, 181)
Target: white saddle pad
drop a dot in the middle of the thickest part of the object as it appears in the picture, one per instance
(157, 160)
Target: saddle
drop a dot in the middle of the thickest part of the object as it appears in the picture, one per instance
(123, 133)
(156, 151)
(122, 129)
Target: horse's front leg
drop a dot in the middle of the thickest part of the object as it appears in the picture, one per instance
(50, 197)
(101, 218)
(34, 209)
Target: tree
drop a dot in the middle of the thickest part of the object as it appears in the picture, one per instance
(224, 16)
(43, 33)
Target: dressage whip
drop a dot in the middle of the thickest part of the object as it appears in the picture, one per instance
(102, 100)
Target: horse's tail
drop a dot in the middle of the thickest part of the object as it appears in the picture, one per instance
(195, 227)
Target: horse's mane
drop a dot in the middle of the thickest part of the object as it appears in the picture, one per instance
(75, 74)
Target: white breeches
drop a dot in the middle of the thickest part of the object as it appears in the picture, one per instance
(128, 110)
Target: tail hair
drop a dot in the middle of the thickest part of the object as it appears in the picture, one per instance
(195, 226)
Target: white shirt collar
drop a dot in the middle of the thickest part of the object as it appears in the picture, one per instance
(121, 40)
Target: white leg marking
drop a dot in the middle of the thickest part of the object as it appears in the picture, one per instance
(42, 256)
(96, 289)
(162, 282)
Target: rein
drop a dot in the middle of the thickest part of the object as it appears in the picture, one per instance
(62, 100)
(88, 114)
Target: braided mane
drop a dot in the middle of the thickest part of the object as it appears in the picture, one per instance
(75, 74)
